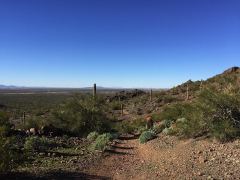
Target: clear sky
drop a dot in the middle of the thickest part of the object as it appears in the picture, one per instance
(116, 43)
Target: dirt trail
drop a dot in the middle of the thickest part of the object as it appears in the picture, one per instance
(122, 161)
(169, 158)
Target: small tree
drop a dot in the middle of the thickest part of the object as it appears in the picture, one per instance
(82, 115)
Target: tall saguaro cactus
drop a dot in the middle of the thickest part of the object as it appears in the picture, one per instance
(201, 85)
(151, 94)
(187, 95)
(94, 90)
(122, 107)
(24, 117)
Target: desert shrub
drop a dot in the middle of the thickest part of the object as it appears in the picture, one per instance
(158, 128)
(34, 122)
(115, 105)
(168, 99)
(131, 126)
(9, 155)
(82, 115)
(38, 144)
(214, 113)
(92, 136)
(147, 136)
(101, 142)
(168, 131)
(222, 112)
(5, 126)
(5, 156)
(174, 111)
(193, 124)
(156, 117)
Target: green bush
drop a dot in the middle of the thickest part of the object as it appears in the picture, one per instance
(101, 142)
(92, 136)
(174, 111)
(214, 113)
(5, 156)
(34, 122)
(115, 105)
(9, 154)
(5, 126)
(82, 115)
(168, 131)
(158, 128)
(147, 136)
(38, 144)
(131, 126)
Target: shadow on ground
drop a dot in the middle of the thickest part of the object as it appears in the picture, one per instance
(53, 176)
(116, 152)
(119, 147)
(129, 137)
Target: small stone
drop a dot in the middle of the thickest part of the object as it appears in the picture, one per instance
(199, 152)
(202, 159)
(41, 154)
(200, 174)
(211, 150)
(49, 154)
(210, 178)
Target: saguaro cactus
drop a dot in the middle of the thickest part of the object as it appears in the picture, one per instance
(122, 107)
(151, 94)
(201, 85)
(94, 90)
(187, 98)
(23, 117)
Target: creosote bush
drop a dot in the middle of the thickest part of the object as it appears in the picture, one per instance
(213, 113)
(5, 126)
(131, 126)
(82, 115)
(5, 155)
(9, 154)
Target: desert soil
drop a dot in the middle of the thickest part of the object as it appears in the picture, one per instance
(167, 157)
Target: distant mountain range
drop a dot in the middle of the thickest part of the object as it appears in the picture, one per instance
(83, 88)
(9, 87)
(23, 89)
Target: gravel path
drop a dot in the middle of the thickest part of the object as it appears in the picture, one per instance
(167, 157)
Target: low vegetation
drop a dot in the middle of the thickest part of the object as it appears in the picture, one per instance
(85, 125)
(212, 113)
(101, 142)
(82, 115)
(38, 144)
(147, 136)
(93, 136)
(9, 153)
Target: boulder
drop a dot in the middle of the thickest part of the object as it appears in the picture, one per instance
(33, 131)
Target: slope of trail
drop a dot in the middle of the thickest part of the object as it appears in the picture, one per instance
(122, 161)
(167, 157)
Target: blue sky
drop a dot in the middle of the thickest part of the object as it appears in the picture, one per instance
(116, 43)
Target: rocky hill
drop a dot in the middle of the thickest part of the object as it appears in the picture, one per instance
(138, 103)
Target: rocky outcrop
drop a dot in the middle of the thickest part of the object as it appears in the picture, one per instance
(232, 70)
(126, 95)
